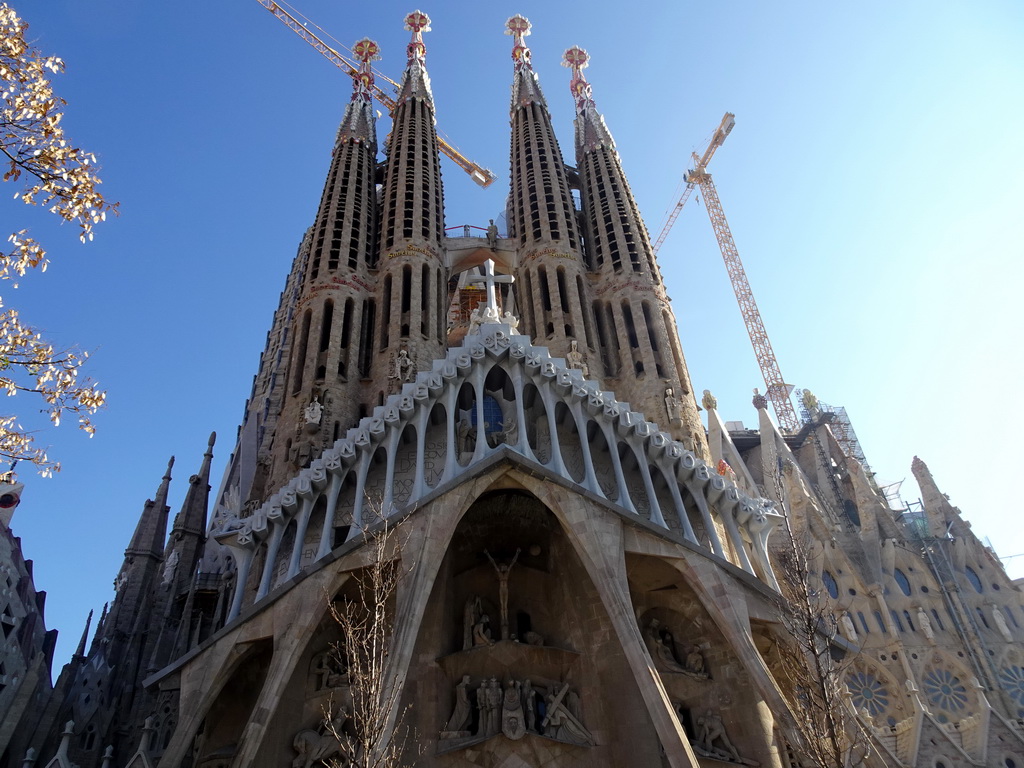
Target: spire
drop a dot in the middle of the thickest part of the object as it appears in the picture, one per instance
(591, 131)
(525, 83)
(151, 530)
(416, 81)
(80, 651)
(192, 517)
(99, 627)
(358, 124)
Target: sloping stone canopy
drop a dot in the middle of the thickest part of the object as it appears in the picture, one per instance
(546, 408)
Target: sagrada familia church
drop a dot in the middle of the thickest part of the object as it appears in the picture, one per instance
(584, 574)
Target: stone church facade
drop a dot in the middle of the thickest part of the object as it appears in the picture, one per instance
(589, 575)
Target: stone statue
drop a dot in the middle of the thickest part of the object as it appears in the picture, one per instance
(314, 412)
(575, 359)
(329, 671)
(403, 367)
(475, 319)
(695, 663)
(759, 401)
(503, 574)
(712, 730)
(315, 747)
(494, 700)
(672, 407)
(467, 437)
(708, 401)
(513, 719)
(530, 706)
(507, 436)
(809, 401)
(482, 632)
(484, 707)
(171, 567)
(470, 616)
(511, 321)
(559, 723)
(1001, 625)
(849, 630)
(533, 638)
(926, 624)
(492, 235)
(458, 723)
(661, 651)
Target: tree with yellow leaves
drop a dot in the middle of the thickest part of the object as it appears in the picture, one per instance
(62, 178)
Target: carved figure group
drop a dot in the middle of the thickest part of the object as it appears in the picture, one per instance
(315, 747)
(661, 644)
(712, 732)
(515, 709)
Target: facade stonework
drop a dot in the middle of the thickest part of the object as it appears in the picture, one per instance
(589, 575)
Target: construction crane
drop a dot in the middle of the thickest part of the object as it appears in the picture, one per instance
(778, 391)
(481, 176)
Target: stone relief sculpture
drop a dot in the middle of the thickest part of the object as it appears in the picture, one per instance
(695, 663)
(330, 741)
(560, 723)
(503, 574)
(659, 643)
(458, 723)
(711, 733)
(329, 671)
(514, 709)
(513, 718)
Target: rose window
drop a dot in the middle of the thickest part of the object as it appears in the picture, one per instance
(944, 690)
(868, 693)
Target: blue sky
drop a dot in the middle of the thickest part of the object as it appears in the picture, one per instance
(873, 184)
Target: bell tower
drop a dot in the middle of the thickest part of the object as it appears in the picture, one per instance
(412, 287)
(551, 287)
(636, 329)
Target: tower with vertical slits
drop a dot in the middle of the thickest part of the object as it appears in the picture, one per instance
(636, 329)
(411, 279)
(551, 287)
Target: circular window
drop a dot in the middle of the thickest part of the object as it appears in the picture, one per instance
(902, 580)
(867, 693)
(945, 691)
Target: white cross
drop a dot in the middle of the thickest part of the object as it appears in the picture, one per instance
(489, 280)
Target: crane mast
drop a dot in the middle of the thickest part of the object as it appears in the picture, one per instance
(778, 391)
(477, 173)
